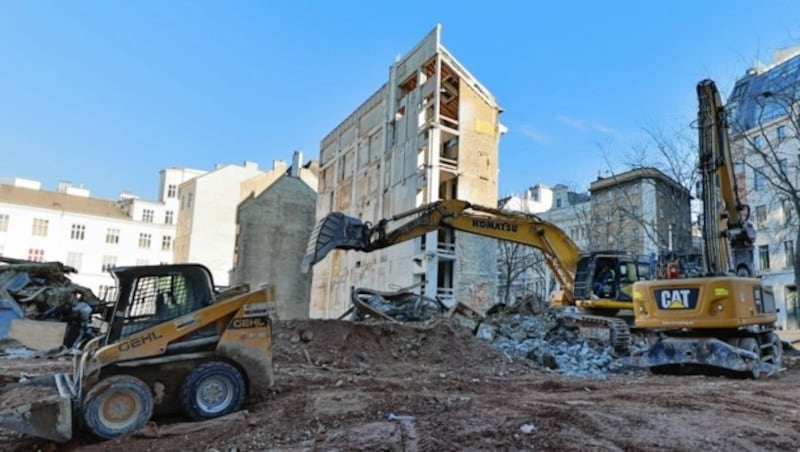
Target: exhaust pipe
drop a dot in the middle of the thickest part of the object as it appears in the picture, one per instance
(335, 231)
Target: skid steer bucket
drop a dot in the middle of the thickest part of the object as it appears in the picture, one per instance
(335, 231)
(41, 408)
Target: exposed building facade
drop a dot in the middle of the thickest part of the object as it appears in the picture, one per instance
(89, 234)
(764, 141)
(274, 223)
(642, 211)
(431, 132)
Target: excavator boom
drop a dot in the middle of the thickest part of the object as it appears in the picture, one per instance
(338, 231)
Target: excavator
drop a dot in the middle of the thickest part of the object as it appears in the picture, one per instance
(722, 321)
(173, 344)
(577, 274)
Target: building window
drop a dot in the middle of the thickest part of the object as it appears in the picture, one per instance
(781, 133)
(788, 248)
(109, 262)
(4, 219)
(558, 203)
(786, 206)
(78, 232)
(761, 216)
(74, 260)
(169, 217)
(759, 181)
(144, 240)
(763, 256)
(36, 255)
(40, 227)
(758, 142)
(172, 191)
(166, 243)
(147, 215)
(112, 236)
(189, 200)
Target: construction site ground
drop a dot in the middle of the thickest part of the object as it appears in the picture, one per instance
(354, 386)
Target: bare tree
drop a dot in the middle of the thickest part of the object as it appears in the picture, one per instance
(515, 261)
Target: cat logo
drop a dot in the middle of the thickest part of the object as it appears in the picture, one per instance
(677, 298)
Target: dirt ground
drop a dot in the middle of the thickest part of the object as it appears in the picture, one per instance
(346, 386)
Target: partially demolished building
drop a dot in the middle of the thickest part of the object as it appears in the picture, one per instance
(431, 132)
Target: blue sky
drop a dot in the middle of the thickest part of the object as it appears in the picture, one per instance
(105, 94)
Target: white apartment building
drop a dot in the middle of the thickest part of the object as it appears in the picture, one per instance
(89, 234)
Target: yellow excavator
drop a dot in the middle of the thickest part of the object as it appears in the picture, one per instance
(578, 274)
(174, 344)
(721, 322)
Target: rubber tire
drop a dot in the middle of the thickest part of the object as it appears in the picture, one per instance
(198, 376)
(777, 349)
(99, 394)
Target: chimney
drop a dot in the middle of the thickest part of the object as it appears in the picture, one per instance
(297, 160)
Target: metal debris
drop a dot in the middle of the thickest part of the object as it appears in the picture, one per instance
(42, 291)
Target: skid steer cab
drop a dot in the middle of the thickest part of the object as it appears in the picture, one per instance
(173, 345)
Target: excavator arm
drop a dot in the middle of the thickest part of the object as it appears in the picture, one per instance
(726, 231)
(338, 231)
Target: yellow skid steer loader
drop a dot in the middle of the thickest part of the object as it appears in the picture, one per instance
(173, 344)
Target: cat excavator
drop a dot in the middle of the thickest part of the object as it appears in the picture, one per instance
(596, 283)
(721, 322)
(173, 345)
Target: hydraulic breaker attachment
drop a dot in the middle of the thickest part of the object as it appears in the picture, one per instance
(41, 408)
(335, 231)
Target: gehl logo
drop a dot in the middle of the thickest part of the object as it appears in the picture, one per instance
(676, 298)
(487, 224)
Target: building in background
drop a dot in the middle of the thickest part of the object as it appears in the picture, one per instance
(206, 230)
(89, 234)
(431, 132)
(274, 223)
(567, 209)
(764, 142)
(642, 211)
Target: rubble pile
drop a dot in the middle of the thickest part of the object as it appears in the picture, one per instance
(400, 306)
(548, 338)
(42, 291)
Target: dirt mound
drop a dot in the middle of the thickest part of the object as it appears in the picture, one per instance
(366, 345)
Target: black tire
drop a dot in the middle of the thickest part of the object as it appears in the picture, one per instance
(117, 406)
(776, 349)
(211, 390)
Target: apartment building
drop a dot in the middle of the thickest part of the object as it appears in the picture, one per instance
(642, 211)
(431, 132)
(89, 234)
(764, 142)
(273, 225)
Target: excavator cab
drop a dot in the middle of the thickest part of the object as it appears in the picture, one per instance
(173, 345)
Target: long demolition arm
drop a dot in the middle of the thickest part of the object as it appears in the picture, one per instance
(337, 231)
(723, 230)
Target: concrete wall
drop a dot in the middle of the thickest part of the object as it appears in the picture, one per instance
(274, 228)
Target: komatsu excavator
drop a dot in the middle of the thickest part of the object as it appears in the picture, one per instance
(721, 322)
(578, 274)
(173, 345)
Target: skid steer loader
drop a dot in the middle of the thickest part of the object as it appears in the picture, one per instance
(173, 345)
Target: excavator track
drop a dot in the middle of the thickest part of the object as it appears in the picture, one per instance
(615, 331)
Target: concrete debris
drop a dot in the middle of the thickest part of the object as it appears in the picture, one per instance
(550, 342)
(400, 306)
(42, 291)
